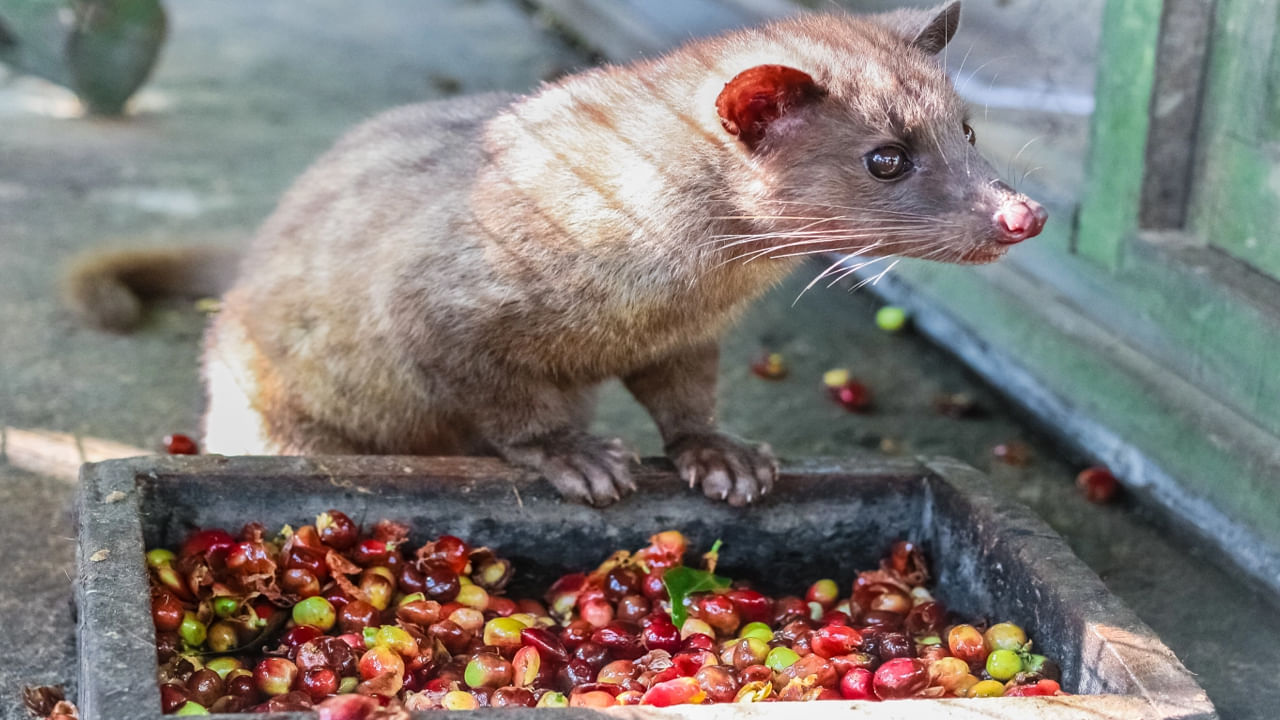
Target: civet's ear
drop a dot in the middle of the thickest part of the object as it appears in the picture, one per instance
(929, 30)
(756, 97)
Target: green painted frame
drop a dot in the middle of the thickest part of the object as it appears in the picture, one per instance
(1238, 206)
(1108, 213)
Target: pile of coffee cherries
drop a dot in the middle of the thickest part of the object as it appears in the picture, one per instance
(326, 616)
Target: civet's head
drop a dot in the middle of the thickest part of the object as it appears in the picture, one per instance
(852, 138)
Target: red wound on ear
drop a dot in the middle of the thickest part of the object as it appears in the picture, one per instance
(758, 96)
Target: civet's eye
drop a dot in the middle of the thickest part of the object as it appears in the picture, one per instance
(887, 163)
(970, 135)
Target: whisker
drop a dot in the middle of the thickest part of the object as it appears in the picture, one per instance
(772, 250)
(855, 269)
(814, 252)
(1025, 146)
(811, 238)
(825, 273)
(875, 279)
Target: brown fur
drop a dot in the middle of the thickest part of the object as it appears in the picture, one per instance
(459, 276)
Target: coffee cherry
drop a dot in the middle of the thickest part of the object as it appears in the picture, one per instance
(719, 612)
(1003, 664)
(418, 612)
(397, 639)
(751, 605)
(593, 654)
(856, 684)
(547, 644)
(179, 444)
(377, 583)
(503, 633)
(966, 643)
(900, 678)
(660, 635)
(622, 581)
(487, 670)
(316, 612)
(1097, 484)
(205, 686)
(769, 366)
(948, 672)
(987, 688)
(166, 612)
(356, 615)
(381, 662)
(598, 699)
(275, 676)
(617, 672)
(191, 630)
(825, 592)
(172, 697)
(597, 613)
(677, 691)
(459, 700)
(553, 699)
(835, 640)
(319, 683)
(621, 640)
(1005, 636)
(717, 682)
(468, 619)
(222, 636)
(780, 658)
(337, 530)
(526, 664)
(891, 319)
(440, 583)
(746, 652)
(512, 697)
(847, 392)
(451, 635)
(892, 645)
(450, 551)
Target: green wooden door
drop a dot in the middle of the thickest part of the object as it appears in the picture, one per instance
(1237, 206)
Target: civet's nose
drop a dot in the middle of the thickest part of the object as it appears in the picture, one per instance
(1018, 220)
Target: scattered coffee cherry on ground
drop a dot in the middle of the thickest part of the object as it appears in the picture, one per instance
(179, 444)
(891, 318)
(769, 366)
(1098, 484)
(846, 391)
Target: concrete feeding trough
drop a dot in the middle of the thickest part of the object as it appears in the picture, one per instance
(991, 558)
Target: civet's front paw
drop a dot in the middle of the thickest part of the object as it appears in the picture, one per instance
(727, 468)
(582, 467)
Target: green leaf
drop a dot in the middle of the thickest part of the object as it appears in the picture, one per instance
(681, 582)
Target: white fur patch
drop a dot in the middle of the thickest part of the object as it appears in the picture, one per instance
(232, 425)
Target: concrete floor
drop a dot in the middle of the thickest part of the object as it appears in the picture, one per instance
(246, 95)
